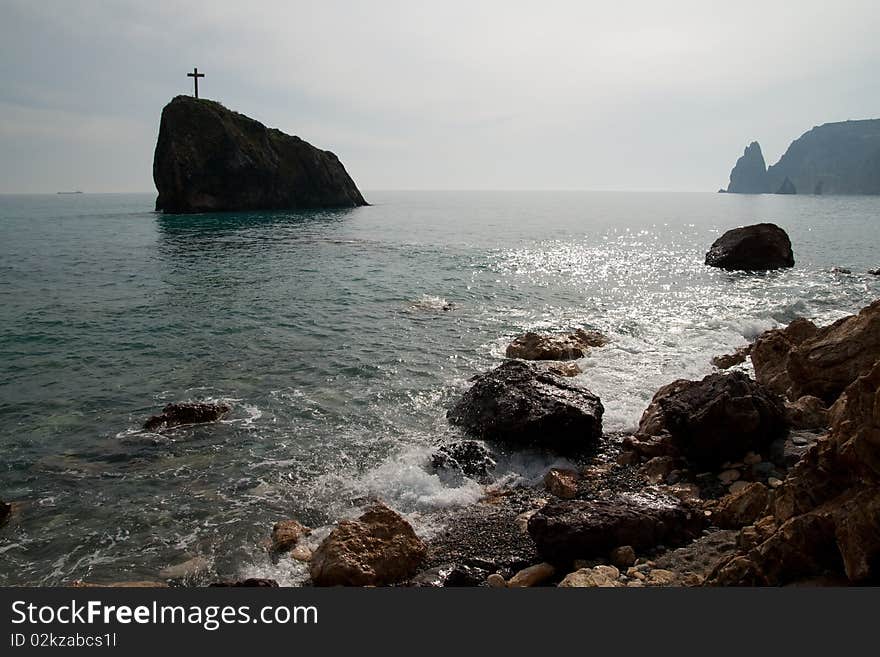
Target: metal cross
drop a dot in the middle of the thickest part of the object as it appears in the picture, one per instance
(195, 75)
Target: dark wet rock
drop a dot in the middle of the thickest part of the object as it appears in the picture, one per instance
(451, 575)
(209, 158)
(749, 175)
(752, 248)
(578, 529)
(5, 511)
(726, 361)
(250, 582)
(564, 369)
(874, 272)
(538, 346)
(841, 270)
(623, 556)
(787, 187)
(717, 419)
(177, 414)
(520, 404)
(286, 534)
(377, 549)
(467, 457)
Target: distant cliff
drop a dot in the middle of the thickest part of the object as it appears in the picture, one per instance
(209, 158)
(835, 158)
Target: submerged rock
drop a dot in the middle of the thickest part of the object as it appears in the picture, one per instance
(5, 511)
(467, 457)
(523, 405)
(180, 413)
(537, 346)
(209, 158)
(752, 248)
(717, 419)
(578, 529)
(377, 549)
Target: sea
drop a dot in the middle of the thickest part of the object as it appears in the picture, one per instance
(340, 339)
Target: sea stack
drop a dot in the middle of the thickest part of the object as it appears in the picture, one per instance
(209, 158)
(749, 175)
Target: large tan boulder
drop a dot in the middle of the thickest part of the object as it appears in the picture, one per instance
(770, 354)
(743, 507)
(377, 549)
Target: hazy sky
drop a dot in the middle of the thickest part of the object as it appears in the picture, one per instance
(437, 95)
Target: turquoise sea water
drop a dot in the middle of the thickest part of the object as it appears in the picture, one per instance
(326, 332)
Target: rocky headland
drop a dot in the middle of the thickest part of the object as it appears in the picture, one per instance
(209, 158)
(834, 158)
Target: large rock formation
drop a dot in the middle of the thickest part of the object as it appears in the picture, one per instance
(209, 158)
(714, 420)
(377, 549)
(802, 359)
(752, 248)
(525, 405)
(749, 176)
(834, 158)
(826, 516)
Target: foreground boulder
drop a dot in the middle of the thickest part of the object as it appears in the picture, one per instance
(802, 359)
(177, 414)
(377, 549)
(523, 405)
(752, 248)
(714, 420)
(538, 346)
(286, 534)
(209, 158)
(826, 516)
(577, 529)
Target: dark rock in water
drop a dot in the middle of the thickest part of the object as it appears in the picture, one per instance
(717, 419)
(752, 248)
(5, 511)
(253, 581)
(209, 158)
(186, 413)
(451, 575)
(874, 272)
(787, 187)
(520, 404)
(749, 176)
(467, 457)
(576, 529)
(377, 549)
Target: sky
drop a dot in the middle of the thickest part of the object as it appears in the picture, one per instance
(502, 95)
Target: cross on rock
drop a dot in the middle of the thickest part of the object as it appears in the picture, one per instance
(195, 75)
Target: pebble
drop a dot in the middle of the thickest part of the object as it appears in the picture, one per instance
(608, 571)
(522, 520)
(623, 556)
(729, 476)
(635, 584)
(496, 581)
(751, 458)
(301, 553)
(660, 577)
(773, 482)
(532, 575)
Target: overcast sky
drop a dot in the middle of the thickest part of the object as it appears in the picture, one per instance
(640, 95)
